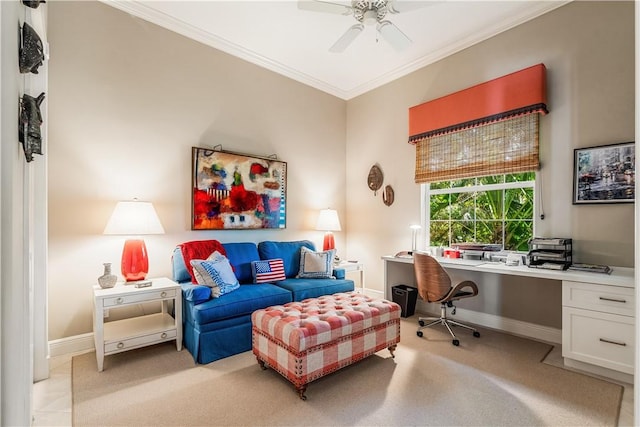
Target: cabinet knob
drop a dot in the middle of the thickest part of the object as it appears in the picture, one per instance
(120, 345)
(163, 294)
(163, 335)
(119, 300)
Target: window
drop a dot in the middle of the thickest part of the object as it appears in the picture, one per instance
(491, 209)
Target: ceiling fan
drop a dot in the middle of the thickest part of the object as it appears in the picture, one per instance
(366, 12)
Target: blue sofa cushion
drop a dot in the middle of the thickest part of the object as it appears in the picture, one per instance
(195, 293)
(180, 272)
(288, 251)
(313, 288)
(242, 301)
(240, 256)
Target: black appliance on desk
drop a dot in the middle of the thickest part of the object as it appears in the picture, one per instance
(550, 253)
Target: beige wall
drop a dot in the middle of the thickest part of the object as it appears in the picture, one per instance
(588, 49)
(127, 101)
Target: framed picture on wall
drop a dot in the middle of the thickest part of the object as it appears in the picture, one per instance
(232, 191)
(604, 174)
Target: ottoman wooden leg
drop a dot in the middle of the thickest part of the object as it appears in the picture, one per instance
(261, 363)
(392, 349)
(301, 389)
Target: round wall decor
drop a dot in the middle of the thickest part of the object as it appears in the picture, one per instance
(388, 195)
(374, 180)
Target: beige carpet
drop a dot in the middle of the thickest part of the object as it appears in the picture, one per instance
(494, 380)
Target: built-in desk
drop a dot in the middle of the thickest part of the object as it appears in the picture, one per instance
(598, 310)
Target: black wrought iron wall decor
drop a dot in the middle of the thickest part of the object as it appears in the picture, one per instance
(31, 50)
(29, 125)
(33, 4)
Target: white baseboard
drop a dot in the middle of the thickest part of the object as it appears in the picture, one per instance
(599, 371)
(84, 342)
(70, 345)
(516, 327)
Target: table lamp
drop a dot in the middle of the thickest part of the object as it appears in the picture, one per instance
(134, 218)
(328, 222)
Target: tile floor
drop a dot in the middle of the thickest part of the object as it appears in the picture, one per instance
(52, 397)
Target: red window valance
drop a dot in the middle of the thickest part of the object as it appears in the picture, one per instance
(522, 92)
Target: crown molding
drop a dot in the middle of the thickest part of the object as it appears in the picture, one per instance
(146, 13)
(176, 25)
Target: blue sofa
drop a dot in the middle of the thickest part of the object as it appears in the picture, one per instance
(214, 328)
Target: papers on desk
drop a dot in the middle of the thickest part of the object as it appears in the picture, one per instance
(593, 268)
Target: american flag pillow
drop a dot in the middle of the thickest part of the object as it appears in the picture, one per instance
(270, 270)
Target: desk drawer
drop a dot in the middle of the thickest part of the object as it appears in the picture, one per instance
(602, 339)
(607, 299)
(139, 297)
(135, 342)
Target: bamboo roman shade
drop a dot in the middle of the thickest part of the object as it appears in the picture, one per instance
(488, 129)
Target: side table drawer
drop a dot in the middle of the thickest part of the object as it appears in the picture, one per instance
(602, 339)
(139, 297)
(607, 299)
(129, 343)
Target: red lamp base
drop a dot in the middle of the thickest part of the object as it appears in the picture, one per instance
(135, 263)
(329, 242)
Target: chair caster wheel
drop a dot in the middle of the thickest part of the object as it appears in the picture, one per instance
(421, 322)
(419, 333)
(456, 343)
(476, 334)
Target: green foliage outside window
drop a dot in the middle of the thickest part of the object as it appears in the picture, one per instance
(491, 209)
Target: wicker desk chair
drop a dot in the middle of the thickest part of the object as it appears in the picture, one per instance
(434, 285)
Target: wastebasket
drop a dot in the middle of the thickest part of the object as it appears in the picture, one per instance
(406, 297)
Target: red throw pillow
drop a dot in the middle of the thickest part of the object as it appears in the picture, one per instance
(199, 249)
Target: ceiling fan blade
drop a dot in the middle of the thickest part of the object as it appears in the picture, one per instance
(392, 34)
(346, 39)
(325, 7)
(399, 6)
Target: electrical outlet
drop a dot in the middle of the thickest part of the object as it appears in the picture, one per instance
(105, 314)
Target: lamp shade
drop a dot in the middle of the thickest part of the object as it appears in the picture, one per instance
(328, 220)
(134, 218)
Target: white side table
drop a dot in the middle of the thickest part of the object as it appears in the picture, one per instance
(354, 266)
(126, 334)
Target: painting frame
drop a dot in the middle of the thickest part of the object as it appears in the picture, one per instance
(237, 191)
(604, 174)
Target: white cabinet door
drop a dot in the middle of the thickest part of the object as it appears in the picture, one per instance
(602, 339)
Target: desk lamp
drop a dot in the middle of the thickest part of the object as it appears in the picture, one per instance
(328, 222)
(414, 237)
(134, 218)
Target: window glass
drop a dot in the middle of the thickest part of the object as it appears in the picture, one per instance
(492, 209)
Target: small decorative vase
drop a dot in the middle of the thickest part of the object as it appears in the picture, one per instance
(107, 280)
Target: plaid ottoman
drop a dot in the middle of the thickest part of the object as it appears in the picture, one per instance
(306, 340)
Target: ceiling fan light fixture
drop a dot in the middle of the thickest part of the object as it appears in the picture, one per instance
(370, 17)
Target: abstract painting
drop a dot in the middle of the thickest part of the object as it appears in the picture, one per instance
(233, 191)
(604, 174)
